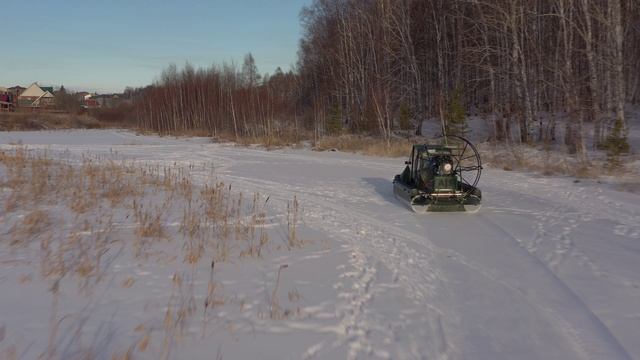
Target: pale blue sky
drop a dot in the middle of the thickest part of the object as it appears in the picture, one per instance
(110, 44)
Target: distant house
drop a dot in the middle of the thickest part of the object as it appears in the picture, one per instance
(82, 95)
(36, 97)
(105, 101)
(15, 91)
(90, 103)
(6, 103)
(93, 101)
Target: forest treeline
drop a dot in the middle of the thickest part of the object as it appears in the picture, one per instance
(378, 66)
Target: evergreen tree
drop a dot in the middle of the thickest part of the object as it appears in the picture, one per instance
(405, 117)
(456, 122)
(616, 144)
(333, 125)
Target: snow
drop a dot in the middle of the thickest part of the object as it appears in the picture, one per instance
(549, 268)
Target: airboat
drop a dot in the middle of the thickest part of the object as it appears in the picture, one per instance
(441, 176)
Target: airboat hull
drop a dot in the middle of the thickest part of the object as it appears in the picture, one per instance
(472, 209)
(421, 202)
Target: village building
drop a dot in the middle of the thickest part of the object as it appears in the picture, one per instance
(6, 101)
(94, 101)
(90, 103)
(36, 97)
(108, 100)
(15, 91)
(82, 95)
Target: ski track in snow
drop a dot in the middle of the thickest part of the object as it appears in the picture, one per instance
(513, 281)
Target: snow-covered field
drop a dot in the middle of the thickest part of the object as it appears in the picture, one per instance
(549, 268)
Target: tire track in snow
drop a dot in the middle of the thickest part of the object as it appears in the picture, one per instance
(553, 246)
(588, 337)
(588, 201)
(575, 334)
(371, 242)
(595, 344)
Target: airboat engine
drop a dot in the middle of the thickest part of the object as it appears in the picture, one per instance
(441, 177)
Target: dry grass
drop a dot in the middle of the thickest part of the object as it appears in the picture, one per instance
(67, 210)
(149, 221)
(212, 299)
(33, 224)
(508, 157)
(365, 145)
(293, 216)
(268, 141)
(275, 311)
(46, 121)
(540, 160)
